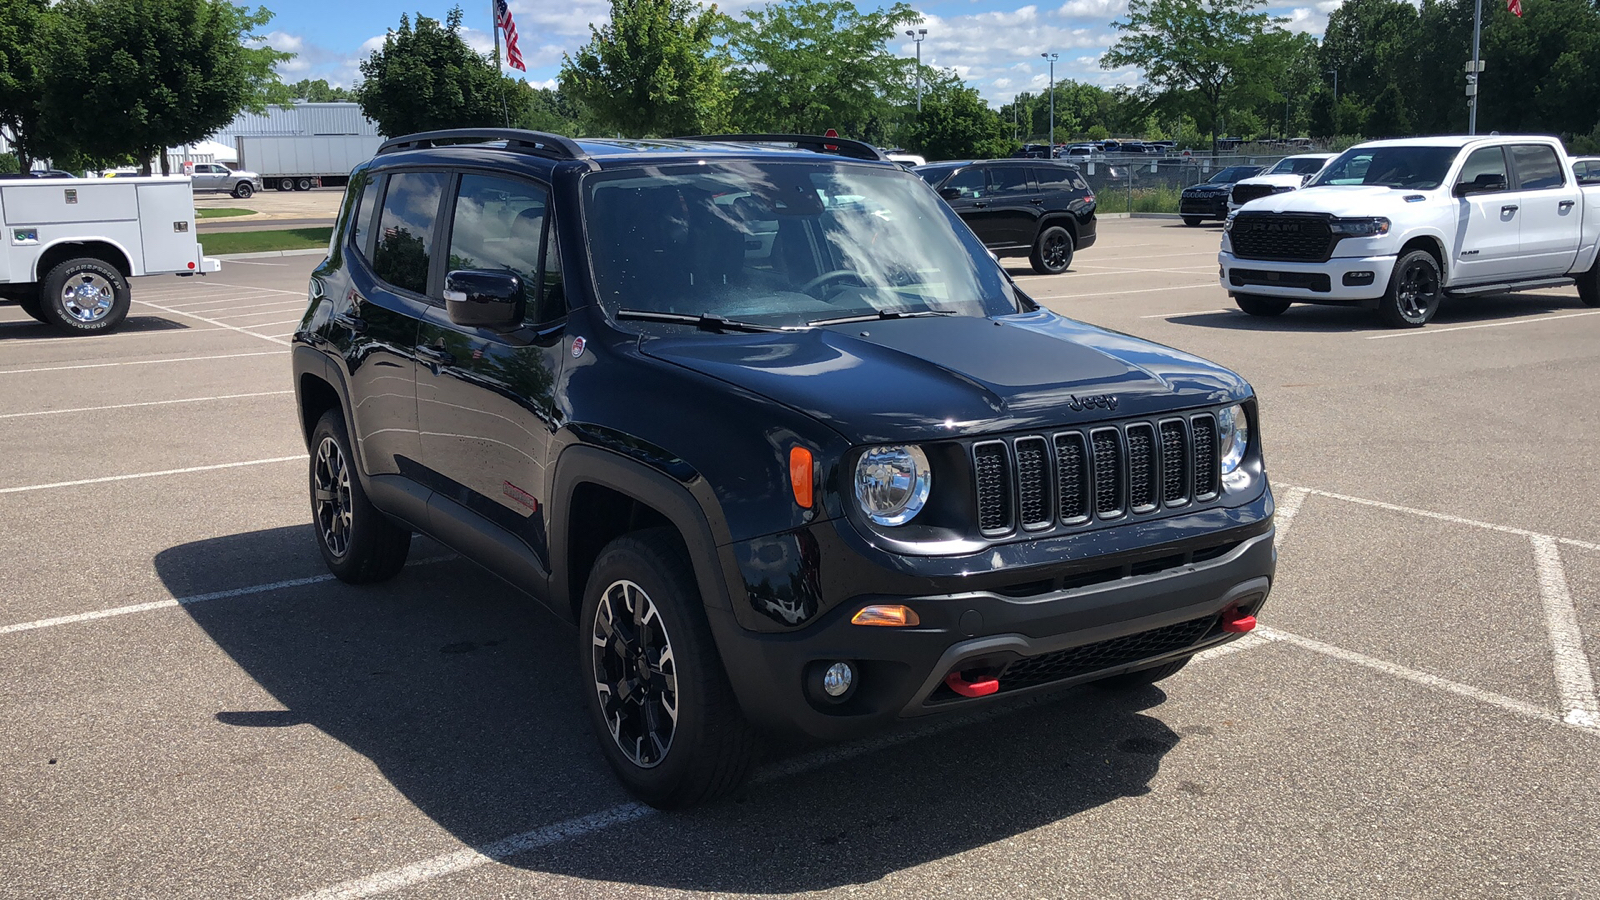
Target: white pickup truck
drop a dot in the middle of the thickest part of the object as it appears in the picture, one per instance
(71, 244)
(1399, 225)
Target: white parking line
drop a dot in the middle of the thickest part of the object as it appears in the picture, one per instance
(82, 409)
(121, 335)
(1574, 675)
(216, 322)
(1288, 507)
(129, 477)
(217, 299)
(1533, 321)
(1176, 287)
(1443, 517)
(140, 362)
(276, 304)
(1194, 312)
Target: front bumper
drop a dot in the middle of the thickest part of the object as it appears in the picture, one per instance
(1311, 282)
(1209, 206)
(1061, 635)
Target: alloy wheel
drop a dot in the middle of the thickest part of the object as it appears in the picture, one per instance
(87, 297)
(330, 497)
(1419, 289)
(1055, 251)
(635, 673)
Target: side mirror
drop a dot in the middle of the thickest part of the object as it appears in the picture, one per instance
(481, 297)
(1483, 184)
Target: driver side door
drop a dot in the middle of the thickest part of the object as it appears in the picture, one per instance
(1488, 230)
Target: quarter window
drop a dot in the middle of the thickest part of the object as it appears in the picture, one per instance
(1537, 167)
(1486, 165)
(405, 229)
(366, 185)
(502, 225)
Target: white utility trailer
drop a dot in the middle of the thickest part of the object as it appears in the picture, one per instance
(71, 244)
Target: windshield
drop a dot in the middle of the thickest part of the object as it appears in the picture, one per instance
(933, 174)
(1295, 165)
(784, 244)
(1415, 168)
(1233, 173)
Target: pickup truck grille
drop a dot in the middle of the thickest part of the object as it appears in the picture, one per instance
(1072, 478)
(1281, 237)
(1244, 193)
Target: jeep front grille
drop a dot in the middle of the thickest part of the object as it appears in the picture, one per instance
(1283, 238)
(1244, 193)
(1035, 482)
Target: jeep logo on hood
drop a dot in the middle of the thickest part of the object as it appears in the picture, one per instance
(1101, 401)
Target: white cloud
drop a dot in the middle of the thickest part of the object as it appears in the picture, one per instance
(1307, 20)
(1093, 9)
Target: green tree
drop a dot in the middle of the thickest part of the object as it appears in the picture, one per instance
(651, 70)
(1206, 48)
(1372, 44)
(809, 65)
(552, 111)
(1390, 117)
(318, 91)
(21, 24)
(137, 76)
(956, 124)
(425, 77)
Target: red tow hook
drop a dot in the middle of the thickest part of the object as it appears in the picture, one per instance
(983, 687)
(1233, 621)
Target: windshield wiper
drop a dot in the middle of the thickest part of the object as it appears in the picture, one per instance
(704, 322)
(883, 314)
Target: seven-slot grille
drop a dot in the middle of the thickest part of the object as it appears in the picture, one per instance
(1284, 238)
(1244, 193)
(1035, 482)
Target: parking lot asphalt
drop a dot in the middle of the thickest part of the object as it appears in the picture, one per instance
(191, 707)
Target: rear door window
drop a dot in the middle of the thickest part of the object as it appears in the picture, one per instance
(1537, 167)
(405, 229)
(1010, 180)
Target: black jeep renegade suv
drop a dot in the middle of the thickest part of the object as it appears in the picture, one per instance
(771, 427)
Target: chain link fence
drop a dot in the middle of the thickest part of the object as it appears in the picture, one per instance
(1149, 184)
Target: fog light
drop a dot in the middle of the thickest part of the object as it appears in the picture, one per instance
(836, 681)
(1357, 279)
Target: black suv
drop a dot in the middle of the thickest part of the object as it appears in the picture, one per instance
(777, 434)
(1209, 198)
(1036, 208)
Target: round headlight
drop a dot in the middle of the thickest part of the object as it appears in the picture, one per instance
(892, 483)
(1233, 433)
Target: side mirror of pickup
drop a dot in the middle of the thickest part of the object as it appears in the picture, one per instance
(1486, 183)
(484, 297)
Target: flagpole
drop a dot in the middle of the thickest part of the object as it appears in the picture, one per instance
(499, 77)
(1477, 73)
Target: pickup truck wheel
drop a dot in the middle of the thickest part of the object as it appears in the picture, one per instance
(1192, 221)
(1052, 252)
(84, 296)
(360, 544)
(1261, 306)
(243, 190)
(1131, 681)
(1589, 285)
(658, 698)
(1414, 292)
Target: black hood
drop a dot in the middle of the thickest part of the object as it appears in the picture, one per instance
(930, 378)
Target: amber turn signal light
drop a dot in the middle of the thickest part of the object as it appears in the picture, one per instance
(889, 615)
(800, 477)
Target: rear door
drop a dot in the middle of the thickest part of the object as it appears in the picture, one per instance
(1488, 228)
(1550, 210)
(486, 403)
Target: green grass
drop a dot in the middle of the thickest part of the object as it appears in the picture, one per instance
(222, 212)
(261, 241)
(1162, 199)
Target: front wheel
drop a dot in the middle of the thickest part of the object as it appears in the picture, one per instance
(658, 698)
(1052, 252)
(1261, 306)
(1192, 221)
(84, 296)
(360, 544)
(1414, 291)
(1589, 285)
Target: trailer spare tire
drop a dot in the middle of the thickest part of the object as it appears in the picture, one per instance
(85, 296)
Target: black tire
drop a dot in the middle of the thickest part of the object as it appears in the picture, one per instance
(303, 184)
(1142, 678)
(708, 747)
(1414, 291)
(30, 305)
(243, 190)
(1192, 221)
(84, 296)
(1589, 285)
(360, 544)
(1052, 251)
(285, 184)
(1261, 306)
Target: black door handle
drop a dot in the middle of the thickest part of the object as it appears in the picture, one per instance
(1037, 201)
(979, 204)
(355, 323)
(437, 355)
(1509, 208)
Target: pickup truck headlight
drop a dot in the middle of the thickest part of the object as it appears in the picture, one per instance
(892, 483)
(1227, 224)
(1371, 226)
(1233, 438)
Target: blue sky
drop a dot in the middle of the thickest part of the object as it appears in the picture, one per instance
(994, 44)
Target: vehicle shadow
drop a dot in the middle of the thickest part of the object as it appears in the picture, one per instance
(32, 330)
(464, 694)
(1348, 319)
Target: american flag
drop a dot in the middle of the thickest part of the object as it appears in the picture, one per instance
(502, 20)
(1515, 6)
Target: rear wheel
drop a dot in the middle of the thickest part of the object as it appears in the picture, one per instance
(84, 296)
(1261, 306)
(303, 184)
(360, 544)
(286, 184)
(659, 700)
(1414, 291)
(1052, 252)
(1129, 681)
(1192, 221)
(1589, 285)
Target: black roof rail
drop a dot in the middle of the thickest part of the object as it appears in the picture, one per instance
(812, 142)
(535, 142)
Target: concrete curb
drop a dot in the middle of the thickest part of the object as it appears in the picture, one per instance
(268, 254)
(1101, 215)
(1155, 215)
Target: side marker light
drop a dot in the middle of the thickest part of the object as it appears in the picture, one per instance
(800, 477)
(891, 616)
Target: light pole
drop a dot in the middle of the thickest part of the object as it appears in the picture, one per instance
(1333, 113)
(917, 37)
(1052, 57)
(1477, 67)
